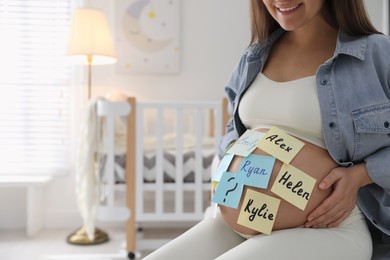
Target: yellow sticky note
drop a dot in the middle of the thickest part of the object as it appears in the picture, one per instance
(214, 185)
(294, 186)
(280, 145)
(258, 211)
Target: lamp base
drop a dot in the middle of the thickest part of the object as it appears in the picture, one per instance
(80, 237)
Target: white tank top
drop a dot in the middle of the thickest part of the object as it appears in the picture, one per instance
(291, 106)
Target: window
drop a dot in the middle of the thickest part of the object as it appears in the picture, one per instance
(386, 6)
(34, 87)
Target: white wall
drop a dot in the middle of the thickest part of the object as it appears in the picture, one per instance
(378, 11)
(213, 35)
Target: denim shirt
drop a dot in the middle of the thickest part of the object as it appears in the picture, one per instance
(353, 91)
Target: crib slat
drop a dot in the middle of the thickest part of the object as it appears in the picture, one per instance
(140, 161)
(110, 159)
(179, 163)
(131, 177)
(159, 163)
(198, 162)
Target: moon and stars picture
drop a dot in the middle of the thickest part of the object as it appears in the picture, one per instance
(148, 36)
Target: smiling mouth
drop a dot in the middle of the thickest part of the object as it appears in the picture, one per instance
(288, 9)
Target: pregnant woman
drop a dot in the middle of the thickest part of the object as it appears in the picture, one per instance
(318, 70)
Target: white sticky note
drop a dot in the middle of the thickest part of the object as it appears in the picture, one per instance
(246, 143)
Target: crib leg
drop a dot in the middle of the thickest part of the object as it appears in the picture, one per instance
(131, 234)
(131, 255)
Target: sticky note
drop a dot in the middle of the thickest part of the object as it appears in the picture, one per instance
(222, 167)
(258, 211)
(280, 145)
(294, 186)
(214, 184)
(229, 191)
(255, 170)
(246, 143)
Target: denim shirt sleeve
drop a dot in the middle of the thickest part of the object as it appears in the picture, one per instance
(378, 163)
(372, 137)
(231, 89)
(378, 167)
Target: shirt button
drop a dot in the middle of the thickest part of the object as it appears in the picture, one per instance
(332, 124)
(386, 124)
(324, 81)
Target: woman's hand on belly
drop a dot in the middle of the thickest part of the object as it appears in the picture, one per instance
(339, 205)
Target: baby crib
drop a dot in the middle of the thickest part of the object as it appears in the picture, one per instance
(168, 171)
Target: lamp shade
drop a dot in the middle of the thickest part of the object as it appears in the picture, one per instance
(90, 38)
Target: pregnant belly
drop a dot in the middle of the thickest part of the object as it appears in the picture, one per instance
(314, 161)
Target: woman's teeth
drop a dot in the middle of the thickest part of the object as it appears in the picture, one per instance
(288, 8)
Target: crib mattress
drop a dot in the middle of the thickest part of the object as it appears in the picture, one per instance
(169, 166)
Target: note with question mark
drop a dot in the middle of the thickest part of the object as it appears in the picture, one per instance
(229, 191)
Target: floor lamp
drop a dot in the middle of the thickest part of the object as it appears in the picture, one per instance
(90, 43)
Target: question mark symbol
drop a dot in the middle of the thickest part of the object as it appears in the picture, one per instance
(235, 186)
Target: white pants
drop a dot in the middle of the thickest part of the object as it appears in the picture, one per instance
(213, 239)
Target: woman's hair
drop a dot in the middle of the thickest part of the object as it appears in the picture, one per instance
(349, 16)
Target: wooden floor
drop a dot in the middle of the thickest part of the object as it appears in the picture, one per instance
(52, 245)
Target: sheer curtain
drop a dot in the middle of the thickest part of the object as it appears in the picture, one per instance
(34, 87)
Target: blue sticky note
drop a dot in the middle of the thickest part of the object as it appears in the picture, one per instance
(255, 170)
(229, 191)
(223, 166)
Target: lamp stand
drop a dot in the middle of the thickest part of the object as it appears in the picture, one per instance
(89, 60)
(80, 237)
